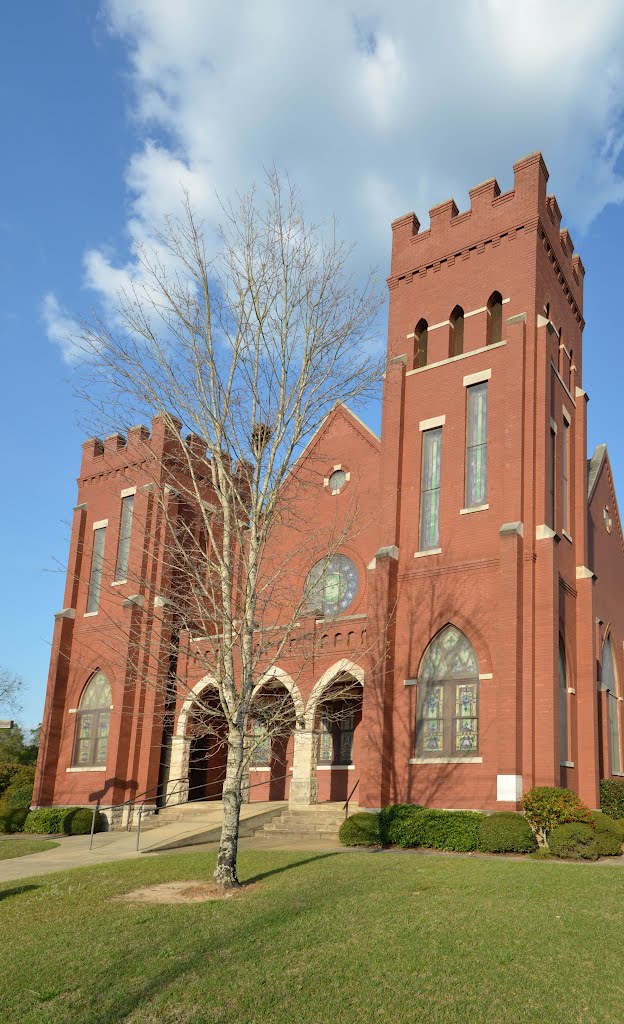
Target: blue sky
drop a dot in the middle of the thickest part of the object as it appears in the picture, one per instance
(107, 108)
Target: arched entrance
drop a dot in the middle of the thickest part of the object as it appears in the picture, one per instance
(335, 712)
(270, 732)
(206, 731)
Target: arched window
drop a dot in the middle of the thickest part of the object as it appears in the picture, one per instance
(609, 682)
(92, 721)
(456, 338)
(564, 746)
(421, 335)
(448, 698)
(494, 319)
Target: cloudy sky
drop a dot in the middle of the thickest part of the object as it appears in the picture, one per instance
(373, 109)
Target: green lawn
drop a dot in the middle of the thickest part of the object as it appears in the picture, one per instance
(10, 848)
(322, 939)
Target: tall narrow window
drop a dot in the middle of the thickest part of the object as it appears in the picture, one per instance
(421, 336)
(448, 698)
(476, 444)
(260, 744)
(456, 339)
(551, 478)
(430, 489)
(92, 721)
(610, 684)
(97, 562)
(494, 319)
(565, 459)
(125, 529)
(564, 747)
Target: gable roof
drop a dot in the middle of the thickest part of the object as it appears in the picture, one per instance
(594, 465)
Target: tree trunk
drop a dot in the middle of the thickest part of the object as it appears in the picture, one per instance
(225, 872)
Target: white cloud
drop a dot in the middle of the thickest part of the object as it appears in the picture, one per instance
(60, 328)
(372, 115)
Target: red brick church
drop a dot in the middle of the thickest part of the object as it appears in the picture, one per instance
(486, 559)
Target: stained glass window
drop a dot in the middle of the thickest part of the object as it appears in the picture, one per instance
(476, 444)
(325, 751)
(335, 737)
(564, 752)
(92, 723)
(609, 682)
(260, 744)
(448, 697)
(97, 563)
(125, 529)
(430, 489)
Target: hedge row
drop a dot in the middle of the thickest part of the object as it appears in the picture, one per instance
(410, 826)
(565, 825)
(71, 821)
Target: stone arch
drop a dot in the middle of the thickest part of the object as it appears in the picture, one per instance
(189, 701)
(344, 666)
(282, 677)
(469, 628)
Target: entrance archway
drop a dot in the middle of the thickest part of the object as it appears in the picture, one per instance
(270, 733)
(334, 714)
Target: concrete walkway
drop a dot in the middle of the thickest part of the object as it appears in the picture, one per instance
(74, 852)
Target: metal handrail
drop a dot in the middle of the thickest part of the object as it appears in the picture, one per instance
(167, 804)
(345, 806)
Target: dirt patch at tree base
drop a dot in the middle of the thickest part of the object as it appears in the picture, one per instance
(181, 892)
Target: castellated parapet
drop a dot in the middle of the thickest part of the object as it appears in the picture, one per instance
(492, 216)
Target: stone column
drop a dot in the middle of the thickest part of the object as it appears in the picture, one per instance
(304, 785)
(177, 792)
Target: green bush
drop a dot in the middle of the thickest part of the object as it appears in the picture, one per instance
(506, 832)
(612, 797)
(574, 841)
(546, 807)
(390, 818)
(13, 820)
(360, 829)
(17, 794)
(72, 821)
(11, 771)
(439, 830)
(77, 821)
(608, 835)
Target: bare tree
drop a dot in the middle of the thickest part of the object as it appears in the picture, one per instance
(243, 355)
(11, 688)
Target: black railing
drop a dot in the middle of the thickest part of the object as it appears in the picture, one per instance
(167, 805)
(346, 804)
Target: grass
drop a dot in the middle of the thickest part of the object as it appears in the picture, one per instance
(340, 938)
(10, 848)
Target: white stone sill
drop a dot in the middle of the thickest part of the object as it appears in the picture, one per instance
(445, 760)
(474, 508)
(564, 533)
(78, 769)
(566, 764)
(118, 583)
(430, 551)
(89, 615)
(335, 767)
(619, 775)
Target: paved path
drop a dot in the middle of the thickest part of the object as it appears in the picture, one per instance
(74, 852)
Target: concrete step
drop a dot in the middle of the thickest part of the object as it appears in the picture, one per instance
(294, 834)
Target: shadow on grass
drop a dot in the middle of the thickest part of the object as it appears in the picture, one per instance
(287, 867)
(17, 891)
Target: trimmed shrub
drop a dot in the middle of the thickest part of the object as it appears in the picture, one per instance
(612, 797)
(46, 820)
(439, 830)
(390, 817)
(506, 832)
(13, 820)
(77, 821)
(546, 807)
(574, 841)
(608, 835)
(72, 821)
(542, 853)
(360, 829)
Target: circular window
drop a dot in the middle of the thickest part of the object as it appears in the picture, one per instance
(332, 585)
(337, 480)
